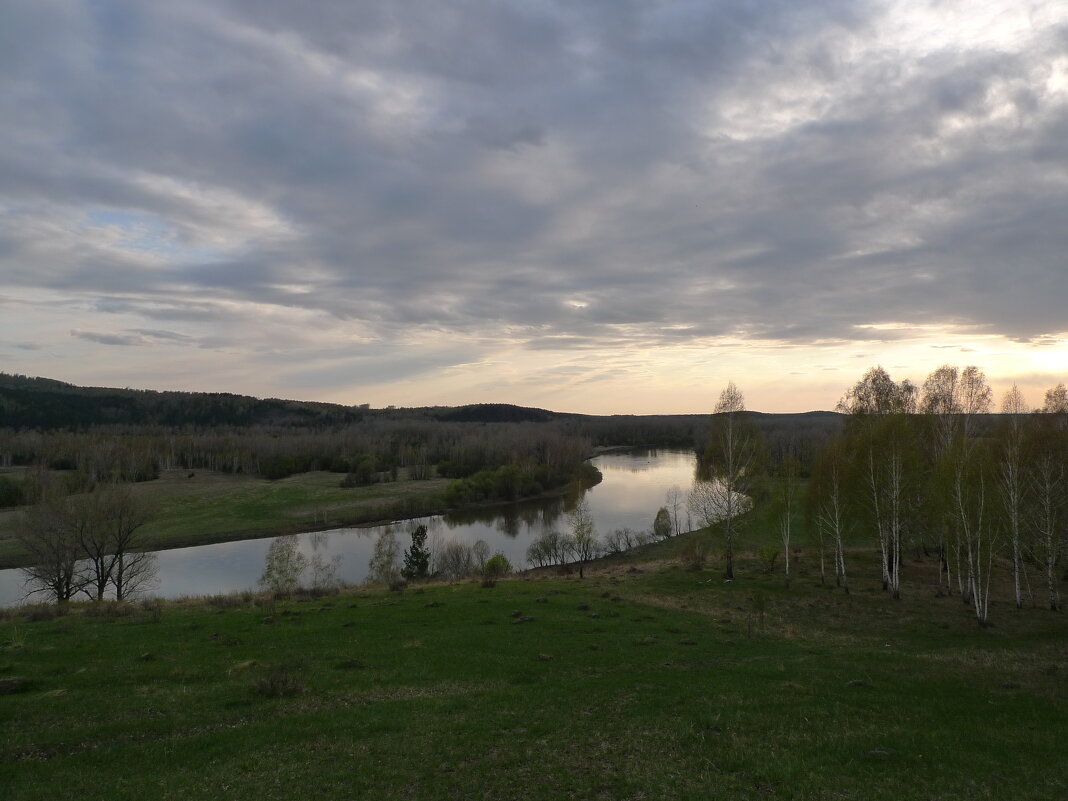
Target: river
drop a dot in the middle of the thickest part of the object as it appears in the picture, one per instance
(634, 487)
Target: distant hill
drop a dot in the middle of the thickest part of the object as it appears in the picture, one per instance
(500, 413)
(46, 404)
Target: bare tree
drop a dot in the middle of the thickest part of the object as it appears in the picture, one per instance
(788, 472)
(57, 567)
(455, 560)
(583, 534)
(675, 504)
(107, 523)
(132, 569)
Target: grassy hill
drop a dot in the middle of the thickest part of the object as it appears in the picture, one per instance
(643, 681)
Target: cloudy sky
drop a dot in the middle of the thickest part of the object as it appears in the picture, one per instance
(592, 205)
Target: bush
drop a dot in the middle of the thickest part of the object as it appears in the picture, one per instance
(41, 612)
(109, 610)
(455, 561)
(495, 567)
(662, 525)
(767, 557)
(695, 554)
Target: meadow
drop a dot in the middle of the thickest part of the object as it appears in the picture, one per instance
(203, 506)
(645, 680)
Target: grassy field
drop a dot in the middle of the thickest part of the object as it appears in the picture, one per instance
(643, 681)
(215, 507)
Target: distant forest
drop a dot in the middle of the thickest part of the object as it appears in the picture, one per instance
(105, 434)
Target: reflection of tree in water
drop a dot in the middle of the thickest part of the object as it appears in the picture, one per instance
(508, 523)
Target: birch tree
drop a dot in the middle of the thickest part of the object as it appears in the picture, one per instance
(952, 398)
(675, 503)
(884, 463)
(975, 528)
(828, 510)
(788, 472)
(731, 462)
(1048, 483)
(1011, 484)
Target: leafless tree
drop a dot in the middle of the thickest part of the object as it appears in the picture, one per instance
(57, 567)
(583, 535)
(675, 504)
(788, 473)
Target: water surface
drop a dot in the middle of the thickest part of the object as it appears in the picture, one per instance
(634, 488)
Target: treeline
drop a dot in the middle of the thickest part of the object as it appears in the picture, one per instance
(514, 481)
(930, 469)
(46, 404)
(372, 451)
(118, 435)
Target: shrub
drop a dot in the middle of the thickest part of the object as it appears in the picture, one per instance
(455, 561)
(41, 612)
(695, 554)
(495, 567)
(767, 557)
(109, 610)
(662, 525)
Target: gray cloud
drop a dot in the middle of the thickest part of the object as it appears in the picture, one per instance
(568, 176)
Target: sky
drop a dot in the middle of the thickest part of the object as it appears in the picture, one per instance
(601, 206)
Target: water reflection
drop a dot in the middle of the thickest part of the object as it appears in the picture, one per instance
(634, 487)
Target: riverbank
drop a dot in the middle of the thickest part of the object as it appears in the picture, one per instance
(191, 508)
(662, 682)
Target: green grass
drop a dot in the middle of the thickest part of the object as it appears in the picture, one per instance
(641, 681)
(215, 507)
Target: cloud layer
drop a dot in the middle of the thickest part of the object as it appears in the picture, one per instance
(486, 195)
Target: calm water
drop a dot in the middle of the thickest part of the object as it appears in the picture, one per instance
(633, 488)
